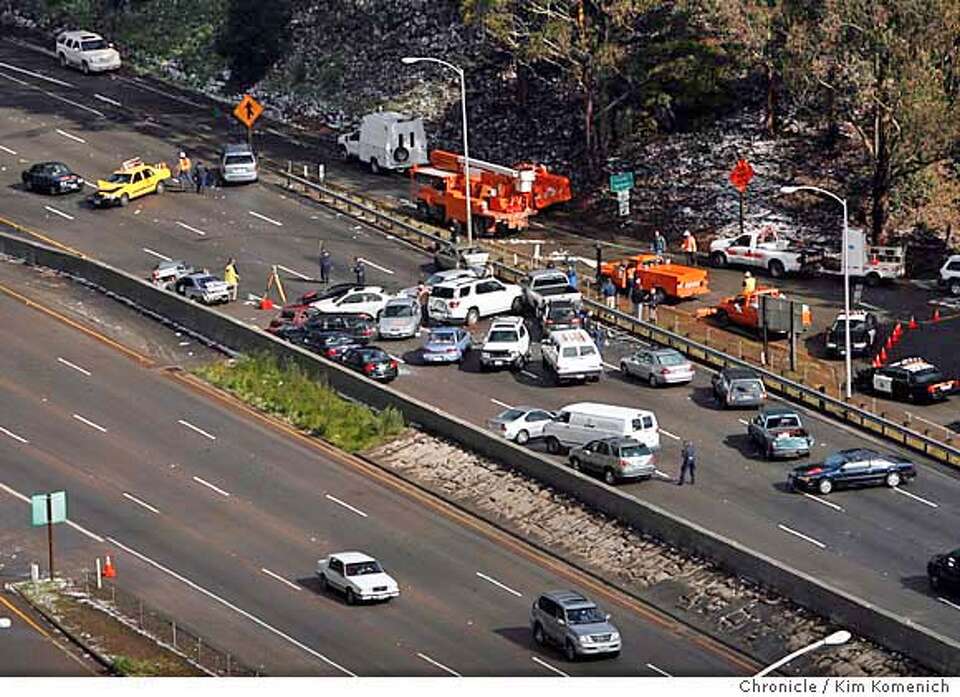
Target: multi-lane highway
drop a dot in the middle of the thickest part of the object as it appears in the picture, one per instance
(873, 543)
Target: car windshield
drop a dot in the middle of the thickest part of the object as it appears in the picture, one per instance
(789, 421)
(120, 178)
(398, 311)
(586, 615)
(363, 568)
(511, 414)
(93, 45)
(587, 350)
(856, 325)
(638, 450)
(375, 355)
(238, 160)
(441, 338)
(836, 460)
(442, 292)
(204, 281)
(503, 336)
(569, 352)
(561, 313)
(671, 359)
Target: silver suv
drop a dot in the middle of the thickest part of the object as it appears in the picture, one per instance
(575, 624)
(238, 164)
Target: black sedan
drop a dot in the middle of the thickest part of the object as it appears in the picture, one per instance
(852, 468)
(943, 571)
(330, 344)
(51, 178)
(372, 361)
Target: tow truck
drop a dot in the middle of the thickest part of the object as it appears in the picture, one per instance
(133, 180)
(657, 275)
(743, 309)
(765, 250)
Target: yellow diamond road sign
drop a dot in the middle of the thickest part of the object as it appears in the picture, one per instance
(248, 110)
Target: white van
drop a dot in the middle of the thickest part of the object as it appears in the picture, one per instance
(386, 140)
(570, 355)
(578, 424)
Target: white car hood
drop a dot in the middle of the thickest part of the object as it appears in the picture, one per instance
(103, 55)
(368, 582)
(501, 346)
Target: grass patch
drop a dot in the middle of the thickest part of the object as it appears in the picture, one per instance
(285, 390)
(140, 668)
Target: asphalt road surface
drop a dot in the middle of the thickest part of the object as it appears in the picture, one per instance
(874, 543)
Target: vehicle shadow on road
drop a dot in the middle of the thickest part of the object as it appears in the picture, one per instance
(704, 397)
(918, 584)
(742, 443)
(783, 488)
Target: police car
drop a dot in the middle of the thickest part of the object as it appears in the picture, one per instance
(864, 327)
(909, 380)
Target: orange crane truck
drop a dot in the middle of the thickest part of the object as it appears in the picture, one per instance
(657, 275)
(502, 199)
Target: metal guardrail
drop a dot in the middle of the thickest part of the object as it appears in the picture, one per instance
(812, 397)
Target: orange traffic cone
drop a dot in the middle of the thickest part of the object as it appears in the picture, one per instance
(898, 331)
(876, 362)
(889, 344)
(936, 314)
(108, 570)
(266, 303)
(883, 355)
(913, 323)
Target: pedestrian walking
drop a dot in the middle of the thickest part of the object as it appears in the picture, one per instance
(184, 169)
(326, 266)
(609, 292)
(659, 244)
(572, 275)
(689, 247)
(231, 278)
(688, 463)
(360, 270)
(200, 177)
(637, 297)
(600, 338)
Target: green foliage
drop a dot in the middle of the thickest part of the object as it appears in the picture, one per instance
(137, 668)
(287, 391)
(254, 35)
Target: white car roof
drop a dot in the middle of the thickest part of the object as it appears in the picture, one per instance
(568, 337)
(856, 314)
(352, 557)
(598, 409)
(507, 322)
(80, 34)
(364, 289)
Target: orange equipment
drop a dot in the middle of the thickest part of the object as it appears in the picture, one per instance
(656, 275)
(744, 309)
(502, 198)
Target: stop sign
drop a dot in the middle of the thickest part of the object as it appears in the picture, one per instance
(741, 175)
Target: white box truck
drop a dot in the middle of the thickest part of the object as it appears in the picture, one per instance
(386, 140)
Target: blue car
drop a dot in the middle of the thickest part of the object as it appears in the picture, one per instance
(446, 345)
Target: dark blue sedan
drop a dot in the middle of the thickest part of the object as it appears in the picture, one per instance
(446, 345)
(852, 468)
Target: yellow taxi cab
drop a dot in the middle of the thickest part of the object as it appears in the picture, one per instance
(132, 180)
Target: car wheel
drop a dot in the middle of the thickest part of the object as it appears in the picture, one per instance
(570, 651)
(718, 259)
(85, 67)
(623, 369)
(473, 315)
(516, 307)
(873, 279)
(374, 166)
(63, 60)
(825, 486)
(609, 476)
(934, 582)
(893, 479)
(653, 380)
(553, 445)
(522, 437)
(159, 189)
(538, 636)
(124, 200)
(575, 464)
(28, 184)
(954, 287)
(776, 268)
(769, 451)
(614, 654)
(351, 597)
(323, 583)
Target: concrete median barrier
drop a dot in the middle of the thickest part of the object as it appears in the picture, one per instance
(933, 650)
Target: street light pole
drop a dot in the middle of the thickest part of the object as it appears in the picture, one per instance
(845, 260)
(410, 60)
(835, 639)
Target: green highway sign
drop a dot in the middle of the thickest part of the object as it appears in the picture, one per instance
(621, 182)
(58, 508)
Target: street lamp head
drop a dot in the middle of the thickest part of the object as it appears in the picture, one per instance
(837, 638)
(789, 189)
(409, 60)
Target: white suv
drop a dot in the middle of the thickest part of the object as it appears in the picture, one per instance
(507, 344)
(88, 51)
(570, 355)
(950, 275)
(469, 299)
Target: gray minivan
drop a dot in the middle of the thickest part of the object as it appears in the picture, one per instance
(238, 164)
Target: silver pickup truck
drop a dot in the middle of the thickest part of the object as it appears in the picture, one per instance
(779, 432)
(546, 286)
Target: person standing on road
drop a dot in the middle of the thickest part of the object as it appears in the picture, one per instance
(572, 275)
(200, 177)
(326, 266)
(360, 270)
(652, 306)
(231, 278)
(184, 169)
(659, 244)
(689, 247)
(636, 297)
(688, 463)
(609, 292)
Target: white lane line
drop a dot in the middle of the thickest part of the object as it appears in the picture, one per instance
(744, 422)
(76, 104)
(662, 475)
(439, 665)
(668, 434)
(263, 217)
(659, 670)
(140, 502)
(829, 504)
(872, 307)
(397, 359)
(508, 589)
(809, 539)
(158, 255)
(275, 132)
(90, 423)
(90, 184)
(228, 604)
(611, 366)
(114, 102)
(191, 228)
(546, 665)
(376, 266)
(70, 136)
(59, 212)
(947, 602)
(529, 374)
(346, 505)
(41, 76)
(499, 403)
(279, 578)
(916, 498)
(294, 273)
(8, 150)
(15, 493)
(73, 365)
(13, 435)
(75, 526)
(196, 429)
(207, 484)
(144, 86)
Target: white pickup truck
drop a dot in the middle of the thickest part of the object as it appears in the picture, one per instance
(546, 286)
(766, 250)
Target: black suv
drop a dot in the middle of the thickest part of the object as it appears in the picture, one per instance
(943, 571)
(360, 327)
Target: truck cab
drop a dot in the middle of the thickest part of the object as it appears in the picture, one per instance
(386, 140)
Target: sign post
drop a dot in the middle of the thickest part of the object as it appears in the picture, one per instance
(621, 184)
(48, 509)
(740, 177)
(247, 111)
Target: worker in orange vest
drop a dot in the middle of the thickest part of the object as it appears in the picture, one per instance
(689, 247)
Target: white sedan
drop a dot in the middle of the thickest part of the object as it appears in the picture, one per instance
(358, 576)
(521, 424)
(368, 300)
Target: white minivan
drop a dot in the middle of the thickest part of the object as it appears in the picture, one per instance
(578, 424)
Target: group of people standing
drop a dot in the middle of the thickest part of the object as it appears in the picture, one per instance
(201, 176)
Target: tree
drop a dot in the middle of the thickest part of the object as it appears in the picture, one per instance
(253, 37)
(889, 68)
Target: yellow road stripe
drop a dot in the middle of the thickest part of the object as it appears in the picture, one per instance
(24, 617)
(43, 238)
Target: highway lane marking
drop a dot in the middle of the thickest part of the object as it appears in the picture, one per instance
(659, 670)
(294, 273)
(263, 217)
(280, 578)
(207, 484)
(140, 502)
(529, 374)
(872, 307)
(611, 366)
(346, 505)
(915, 497)
(947, 602)
(809, 539)
(158, 255)
(668, 434)
(8, 150)
(197, 429)
(744, 422)
(546, 665)
(114, 102)
(226, 603)
(73, 365)
(500, 404)
(41, 76)
(59, 212)
(662, 475)
(13, 435)
(26, 499)
(497, 583)
(376, 266)
(824, 502)
(191, 228)
(89, 423)
(147, 88)
(439, 665)
(70, 136)
(397, 359)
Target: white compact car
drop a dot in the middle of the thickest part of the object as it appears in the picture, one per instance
(570, 355)
(358, 576)
(368, 300)
(521, 424)
(88, 51)
(469, 299)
